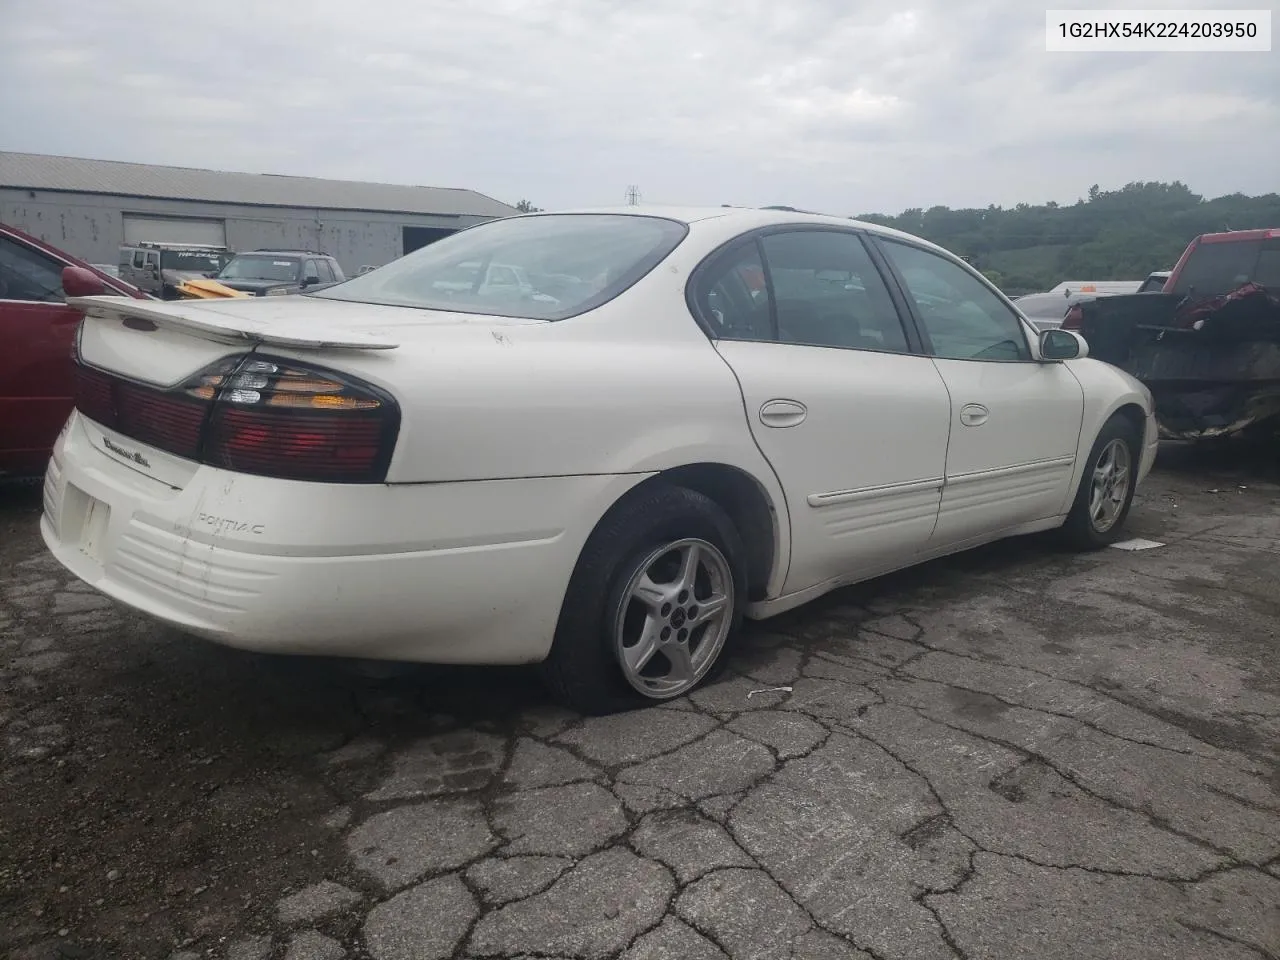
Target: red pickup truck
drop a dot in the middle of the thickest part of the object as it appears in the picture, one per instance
(1208, 344)
(36, 332)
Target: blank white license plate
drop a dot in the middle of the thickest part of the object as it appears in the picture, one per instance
(94, 532)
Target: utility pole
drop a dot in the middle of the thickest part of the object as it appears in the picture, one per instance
(633, 195)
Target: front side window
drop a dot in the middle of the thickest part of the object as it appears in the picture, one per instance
(139, 258)
(311, 272)
(27, 274)
(546, 267)
(963, 318)
(828, 292)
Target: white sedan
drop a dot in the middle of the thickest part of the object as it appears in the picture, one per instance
(728, 413)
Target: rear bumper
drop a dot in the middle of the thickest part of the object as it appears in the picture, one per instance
(470, 572)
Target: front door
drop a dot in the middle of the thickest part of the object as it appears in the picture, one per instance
(852, 419)
(36, 333)
(1015, 422)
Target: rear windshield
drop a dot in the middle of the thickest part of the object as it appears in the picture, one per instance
(1217, 268)
(545, 267)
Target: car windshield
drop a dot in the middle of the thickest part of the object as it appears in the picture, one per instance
(261, 267)
(1217, 268)
(191, 260)
(544, 267)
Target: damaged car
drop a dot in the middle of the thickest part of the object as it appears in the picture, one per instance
(731, 413)
(1207, 345)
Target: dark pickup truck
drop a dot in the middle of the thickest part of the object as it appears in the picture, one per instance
(1208, 344)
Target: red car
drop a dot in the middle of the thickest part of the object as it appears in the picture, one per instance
(36, 332)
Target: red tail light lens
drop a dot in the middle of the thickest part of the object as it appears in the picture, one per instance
(158, 417)
(95, 395)
(161, 419)
(255, 414)
(1074, 318)
(298, 446)
(284, 419)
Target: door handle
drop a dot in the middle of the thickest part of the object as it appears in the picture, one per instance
(783, 413)
(974, 414)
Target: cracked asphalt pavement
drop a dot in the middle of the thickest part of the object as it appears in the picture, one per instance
(1014, 753)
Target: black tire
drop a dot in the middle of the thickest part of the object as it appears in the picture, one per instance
(1080, 532)
(582, 671)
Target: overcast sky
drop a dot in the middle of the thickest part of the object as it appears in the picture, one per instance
(833, 105)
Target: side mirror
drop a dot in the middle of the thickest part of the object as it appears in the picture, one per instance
(310, 281)
(1062, 345)
(79, 282)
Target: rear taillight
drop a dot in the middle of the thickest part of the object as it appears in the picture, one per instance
(282, 419)
(255, 414)
(159, 418)
(1074, 318)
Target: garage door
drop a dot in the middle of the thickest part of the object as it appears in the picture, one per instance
(171, 230)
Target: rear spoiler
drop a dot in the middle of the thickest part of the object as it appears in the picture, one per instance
(224, 327)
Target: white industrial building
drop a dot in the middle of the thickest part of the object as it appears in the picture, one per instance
(90, 207)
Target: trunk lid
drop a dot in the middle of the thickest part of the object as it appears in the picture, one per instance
(164, 342)
(275, 321)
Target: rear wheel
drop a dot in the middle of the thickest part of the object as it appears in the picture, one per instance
(1106, 490)
(653, 600)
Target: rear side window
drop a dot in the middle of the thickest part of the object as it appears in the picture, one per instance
(734, 297)
(547, 267)
(828, 293)
(1213, 269)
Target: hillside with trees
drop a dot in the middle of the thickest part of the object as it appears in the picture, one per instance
(1110, 235)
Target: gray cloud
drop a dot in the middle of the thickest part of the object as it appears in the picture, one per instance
(819, 103)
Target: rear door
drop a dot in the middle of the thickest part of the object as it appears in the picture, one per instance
(1015, 422)
(36, 332)
(850, 414)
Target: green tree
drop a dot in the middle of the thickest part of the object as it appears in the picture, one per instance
(524, 206)
(1119, 234)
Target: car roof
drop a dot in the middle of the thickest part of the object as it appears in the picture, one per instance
(747, 218)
